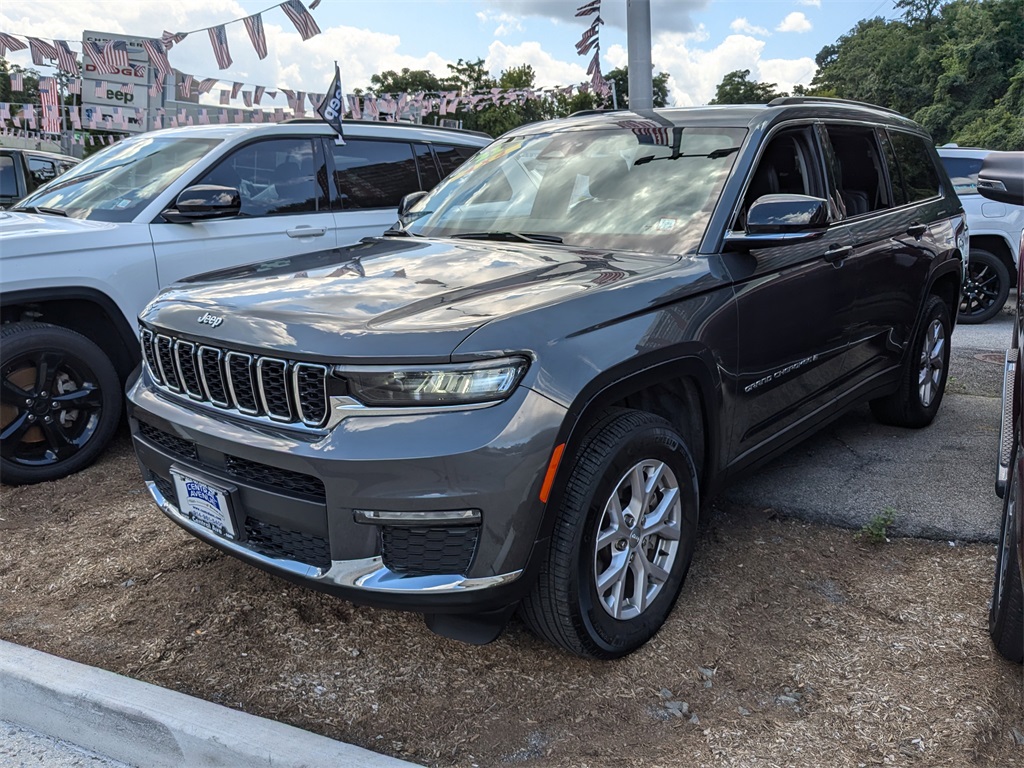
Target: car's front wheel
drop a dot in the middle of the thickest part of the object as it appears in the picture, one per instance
(60, 402)
(623, 539)
(985, 289)
(1006, 616)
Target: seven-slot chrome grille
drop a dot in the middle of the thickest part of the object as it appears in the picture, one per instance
(255, 385)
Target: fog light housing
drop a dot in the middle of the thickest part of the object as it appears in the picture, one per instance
(419, 517)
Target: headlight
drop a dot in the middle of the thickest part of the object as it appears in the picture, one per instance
(458, 384)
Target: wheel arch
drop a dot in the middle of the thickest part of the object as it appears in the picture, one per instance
(947, 283)
(684, 390)
(997, 245)
(84, 310)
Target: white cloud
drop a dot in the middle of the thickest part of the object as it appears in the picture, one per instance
(745, 27)
(794, 22)
(548, 69)
(507, 23)
(669, 15)
(695, 73)
(815, 3)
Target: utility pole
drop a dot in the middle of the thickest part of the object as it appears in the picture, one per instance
(638, 43)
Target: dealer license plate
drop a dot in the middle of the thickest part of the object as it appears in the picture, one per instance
(204, 503)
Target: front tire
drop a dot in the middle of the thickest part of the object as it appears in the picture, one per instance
(623, 539)
(923, 379)
(1006, 616)
(985, 289)
(60, 402)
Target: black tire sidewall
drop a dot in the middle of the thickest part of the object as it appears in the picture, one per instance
(614, 637)
(92, 363)
(978, 255)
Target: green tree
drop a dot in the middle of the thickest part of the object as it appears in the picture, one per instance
(408, 81)
(30, 93)
(737, 88)
(620, 77)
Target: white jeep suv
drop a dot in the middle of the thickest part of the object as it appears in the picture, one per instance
(995, 231)
(82, 255)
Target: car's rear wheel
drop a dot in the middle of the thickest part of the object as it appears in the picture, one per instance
(60, 402)
(1006, 616)
(923, 379)
(985, 288)
(623, 539)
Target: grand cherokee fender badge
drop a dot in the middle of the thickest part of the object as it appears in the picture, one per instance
(211, 320)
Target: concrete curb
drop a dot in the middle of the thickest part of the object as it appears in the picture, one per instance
(145, 725)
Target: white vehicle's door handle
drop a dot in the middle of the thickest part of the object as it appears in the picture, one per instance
(304, 230)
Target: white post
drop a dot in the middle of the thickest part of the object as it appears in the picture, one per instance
(638, 43)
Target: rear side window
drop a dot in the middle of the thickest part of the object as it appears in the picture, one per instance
(857, 169)
(374, 174)
(914, 155)
(429, 176)
(8, 179)
(41, 170)
(451, 157)
(963, 172)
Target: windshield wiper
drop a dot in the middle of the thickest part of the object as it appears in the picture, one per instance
(716, 154)
(510, 237)
(41, 209)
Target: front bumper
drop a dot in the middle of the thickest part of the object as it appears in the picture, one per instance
(293, 495)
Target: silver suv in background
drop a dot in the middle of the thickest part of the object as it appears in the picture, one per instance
(995, 230)
(82, 255)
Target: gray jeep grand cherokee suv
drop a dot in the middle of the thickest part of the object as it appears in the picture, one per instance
(524, 394)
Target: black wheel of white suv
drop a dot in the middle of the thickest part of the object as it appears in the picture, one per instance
(1006, 616)
(623, 539)
(60, 402)
(924, 374)
(985, 289)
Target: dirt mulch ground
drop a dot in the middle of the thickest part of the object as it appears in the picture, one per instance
(791, 645)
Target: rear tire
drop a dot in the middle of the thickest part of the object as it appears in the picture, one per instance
(623, 539)
(60, 402)
(923, 379)
(1006, 616)
(986, 288)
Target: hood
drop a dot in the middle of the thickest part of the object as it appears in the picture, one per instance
(15, 224)
(388, 298)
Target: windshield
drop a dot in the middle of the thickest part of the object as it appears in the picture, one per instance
(635, 186)
(117, 183)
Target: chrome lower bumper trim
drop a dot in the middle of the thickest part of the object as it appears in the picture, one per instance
(367, 574)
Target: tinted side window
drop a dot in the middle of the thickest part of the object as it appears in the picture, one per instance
(920, 177)
(374, 174)
(428, 171)
(963, 172)
(451, 157)
(278, 176)
(899, 197)
(41, 170)
(857, 169)
(8, 177)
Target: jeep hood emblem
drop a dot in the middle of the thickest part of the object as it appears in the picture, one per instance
(211, 320)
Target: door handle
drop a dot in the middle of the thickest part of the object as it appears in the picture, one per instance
(838, 253)
(916, 230)
(304, 230)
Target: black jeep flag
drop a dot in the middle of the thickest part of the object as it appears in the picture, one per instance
(332, 107)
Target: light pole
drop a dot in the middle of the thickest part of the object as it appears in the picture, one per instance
(638, 43)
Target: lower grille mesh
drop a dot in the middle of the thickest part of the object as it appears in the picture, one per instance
(274, 541)
(429, 551)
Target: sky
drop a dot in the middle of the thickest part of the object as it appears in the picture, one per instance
(695, 41)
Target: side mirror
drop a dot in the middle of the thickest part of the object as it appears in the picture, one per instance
(408, 202)
(204, 201)
(1001, 177)
(780, 220)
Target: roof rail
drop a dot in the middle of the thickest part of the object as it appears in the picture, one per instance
(585, 112)
(426, 126)
(788, 100)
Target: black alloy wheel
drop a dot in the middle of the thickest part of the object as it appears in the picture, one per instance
(985, 288)
(60, 402)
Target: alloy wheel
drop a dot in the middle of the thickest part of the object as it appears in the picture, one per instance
(932, 363)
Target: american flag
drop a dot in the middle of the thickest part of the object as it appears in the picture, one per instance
(300, 104)
(225, 96)
(219, 41)
(115, 52)
(158, 55)
(169, 39)
(247, 98)
(594, 6)
(185, 86)
(127, 88)
(66, 58)
(75, 85)
(235, 88)
(206, 85)
(17, 81)
(10, 42)
(99, 58)
(254, 26)
(301, 18)
(48, 97)
(595, 64)
(588, 41)
(41, 50)
(257, 97)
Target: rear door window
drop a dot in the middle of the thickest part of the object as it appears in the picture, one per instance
(429, 177)
(450, 157)
(8, 177)
(857, 169)
(920, 176)
(41, 170)
(374, 174)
